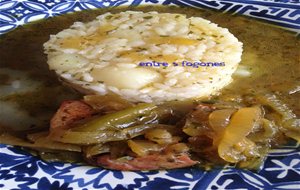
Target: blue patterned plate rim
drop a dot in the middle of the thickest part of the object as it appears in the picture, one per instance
(21, 170)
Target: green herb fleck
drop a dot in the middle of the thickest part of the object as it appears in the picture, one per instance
(108, 17)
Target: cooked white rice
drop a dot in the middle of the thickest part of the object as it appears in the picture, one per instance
(103, 56)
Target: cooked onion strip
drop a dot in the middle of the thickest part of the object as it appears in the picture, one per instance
(241, 124)
(219, 119)
(269, 130)
(160, 136)
(289, 122)
(292, 129)
(277, 105)
(143, 147)
(40, 143)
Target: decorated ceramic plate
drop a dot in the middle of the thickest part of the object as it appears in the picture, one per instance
(30, 93)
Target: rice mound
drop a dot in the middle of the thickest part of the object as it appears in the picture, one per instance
(105, 56)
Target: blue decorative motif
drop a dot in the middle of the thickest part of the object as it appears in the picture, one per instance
(20, 170)
(285, 13)
(23, 171)
(282, 13)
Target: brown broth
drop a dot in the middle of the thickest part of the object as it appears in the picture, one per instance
(271, 53)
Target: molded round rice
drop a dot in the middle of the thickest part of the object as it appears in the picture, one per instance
(103, 56)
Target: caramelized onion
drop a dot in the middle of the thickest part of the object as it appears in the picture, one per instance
(241, 124)
(289, 121)
(219, 119)
(178, 148)
(160, 136)
(276, 104)
(267, 132)
(143, 147)
(39, 143)
(292, 129)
